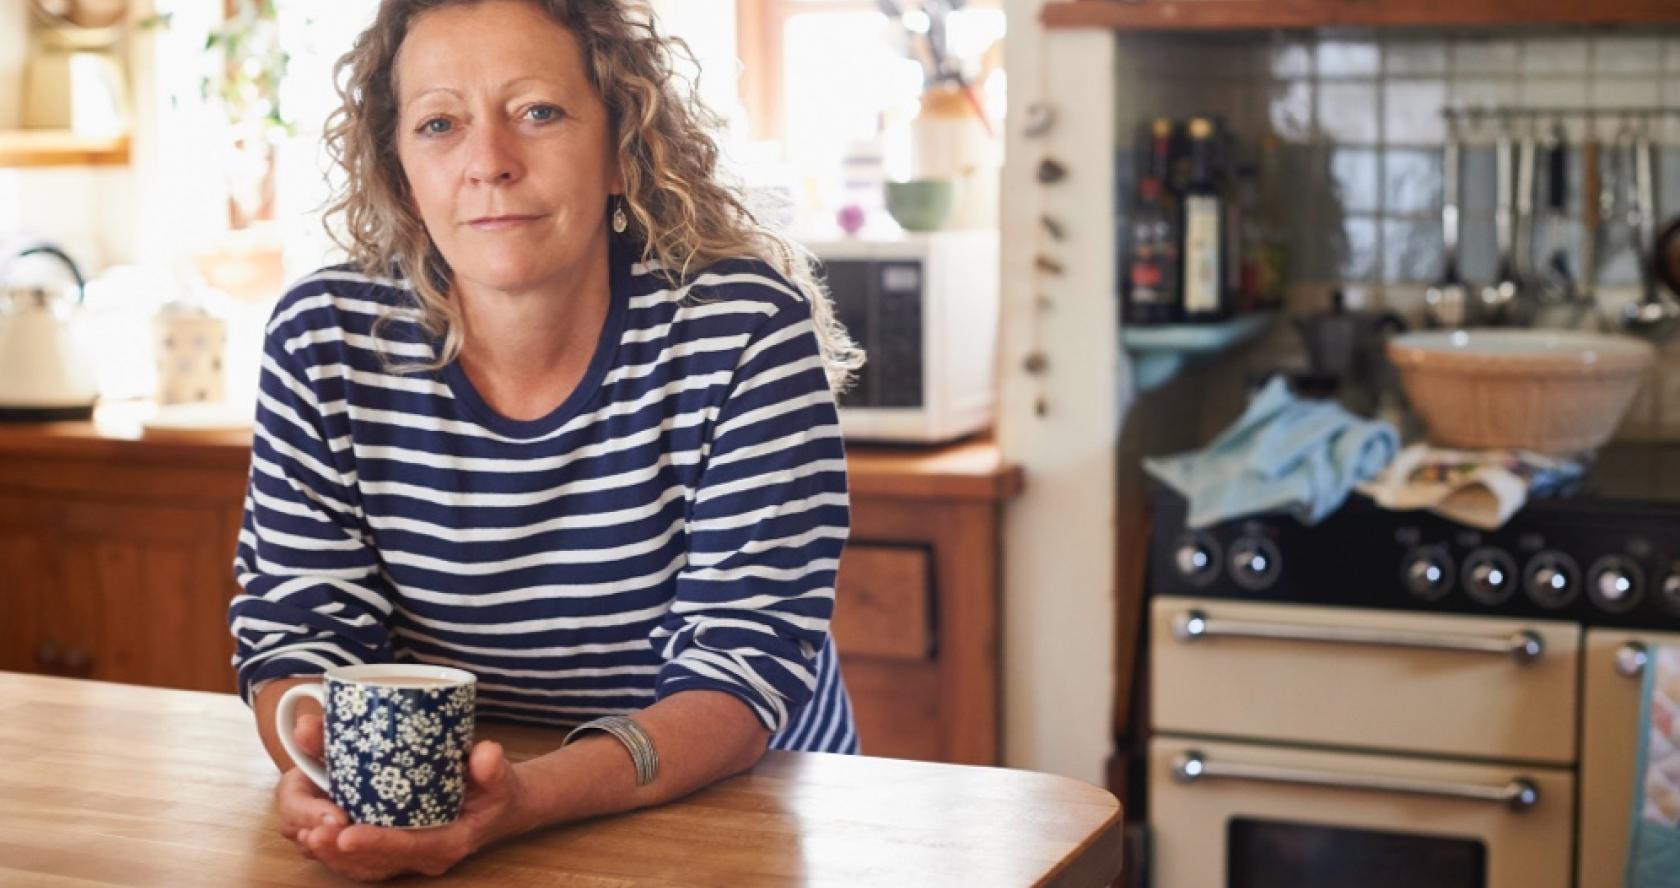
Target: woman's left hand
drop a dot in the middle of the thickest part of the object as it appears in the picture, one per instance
(491, 811)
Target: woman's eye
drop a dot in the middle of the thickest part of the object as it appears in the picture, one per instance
(544, 113)
(437, 126)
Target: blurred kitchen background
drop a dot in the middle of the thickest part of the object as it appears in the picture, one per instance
(1074, 236)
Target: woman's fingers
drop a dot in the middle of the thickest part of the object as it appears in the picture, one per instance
(306, 732)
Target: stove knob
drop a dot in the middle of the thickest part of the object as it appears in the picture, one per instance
(1255, 562)
(1553, 580)
(1616, 583)
(1428, 573)
(1671, 590)
(1197, 559)
(1490, 576)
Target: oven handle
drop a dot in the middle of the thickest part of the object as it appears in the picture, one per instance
(1191, 766)
(1524, 646)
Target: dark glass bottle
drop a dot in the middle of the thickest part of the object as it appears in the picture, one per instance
(1153, 264)
(1206, 278)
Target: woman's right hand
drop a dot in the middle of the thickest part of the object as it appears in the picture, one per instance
(302, 804)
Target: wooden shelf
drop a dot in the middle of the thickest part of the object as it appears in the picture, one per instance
(44, 148)
(1244, 15)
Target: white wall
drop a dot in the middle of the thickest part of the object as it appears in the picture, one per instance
(14, 17)
(708, 27)
(1060, 535)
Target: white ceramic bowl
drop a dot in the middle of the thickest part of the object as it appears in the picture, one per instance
(1549, 391)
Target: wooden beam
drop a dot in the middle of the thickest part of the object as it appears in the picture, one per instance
(1235, 15)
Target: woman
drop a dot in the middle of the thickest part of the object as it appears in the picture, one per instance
(566, 423)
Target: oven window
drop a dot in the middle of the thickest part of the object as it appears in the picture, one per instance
(1275, 854)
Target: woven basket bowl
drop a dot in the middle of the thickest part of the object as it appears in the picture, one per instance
(1552, 392)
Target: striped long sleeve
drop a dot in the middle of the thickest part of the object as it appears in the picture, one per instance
(313, 596)
(767, 522)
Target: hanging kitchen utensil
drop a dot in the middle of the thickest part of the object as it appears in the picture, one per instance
(1447, 301)
(1556, 280)
(1591, 216)
(1499, 297)
(1657, 314)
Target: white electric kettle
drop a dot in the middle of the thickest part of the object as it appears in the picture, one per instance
(46, 374)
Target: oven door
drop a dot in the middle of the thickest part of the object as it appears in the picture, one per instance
(1229, 815)
(1614, 671)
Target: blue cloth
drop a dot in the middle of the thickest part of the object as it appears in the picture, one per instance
(1284, 454)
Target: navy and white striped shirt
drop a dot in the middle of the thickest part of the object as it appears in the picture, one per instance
(676, 523)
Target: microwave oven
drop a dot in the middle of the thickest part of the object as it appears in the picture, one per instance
(924, 308)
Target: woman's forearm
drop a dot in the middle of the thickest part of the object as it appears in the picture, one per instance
(701, 736)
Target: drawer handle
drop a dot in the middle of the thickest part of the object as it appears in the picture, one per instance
(1631, 658)
(1191, 766)
(1524, 646)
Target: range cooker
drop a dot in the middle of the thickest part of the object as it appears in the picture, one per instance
(1391, 698)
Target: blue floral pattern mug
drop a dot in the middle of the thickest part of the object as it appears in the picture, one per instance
(397, 737)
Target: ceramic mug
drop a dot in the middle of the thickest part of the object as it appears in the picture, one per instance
(397, 737)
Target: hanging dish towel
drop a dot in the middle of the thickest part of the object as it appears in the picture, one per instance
(1480, 488)
(1654, 844)
(1284, 454)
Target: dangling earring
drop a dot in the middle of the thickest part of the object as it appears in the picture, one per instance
(619, 222)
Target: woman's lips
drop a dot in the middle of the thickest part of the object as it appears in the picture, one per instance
(498, 223)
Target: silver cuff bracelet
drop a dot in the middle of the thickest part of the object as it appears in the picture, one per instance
(634, 738)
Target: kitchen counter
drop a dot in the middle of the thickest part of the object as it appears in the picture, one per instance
(119, 544)
(971, 469)
(116, 785)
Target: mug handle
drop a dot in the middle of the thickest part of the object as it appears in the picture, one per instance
(285, 718)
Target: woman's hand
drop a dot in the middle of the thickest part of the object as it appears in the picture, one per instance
(490, 812)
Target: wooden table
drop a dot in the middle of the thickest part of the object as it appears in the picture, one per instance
(109, 784)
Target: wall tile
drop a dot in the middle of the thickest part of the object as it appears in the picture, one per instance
(1411, 250)
(1412, 181)
(1627, 55)
(1358, 249)
(1477, 186)
(1548, 92)
(1625, 92)
(1347, 112)
(1478, 252)
(1356, 177)
(1289, 109)
(1348, 58)
(1290, 57)
(1414, 56)
(1483, 93)
(1412, 112)
(1668, 175)
(1555, 56)
(1484, 55)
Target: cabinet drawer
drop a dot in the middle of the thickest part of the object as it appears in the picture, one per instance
(1390, 681)
(883, 606)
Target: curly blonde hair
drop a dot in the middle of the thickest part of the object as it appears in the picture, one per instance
(683, 215)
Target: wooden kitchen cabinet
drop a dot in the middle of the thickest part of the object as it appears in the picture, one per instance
(1217, 15)
(118, 554)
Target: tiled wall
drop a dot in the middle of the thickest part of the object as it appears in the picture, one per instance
(1357, 116)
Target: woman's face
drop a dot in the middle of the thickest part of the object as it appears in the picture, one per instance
(505, 144)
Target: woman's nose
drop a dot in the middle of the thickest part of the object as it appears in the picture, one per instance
(492, 157)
